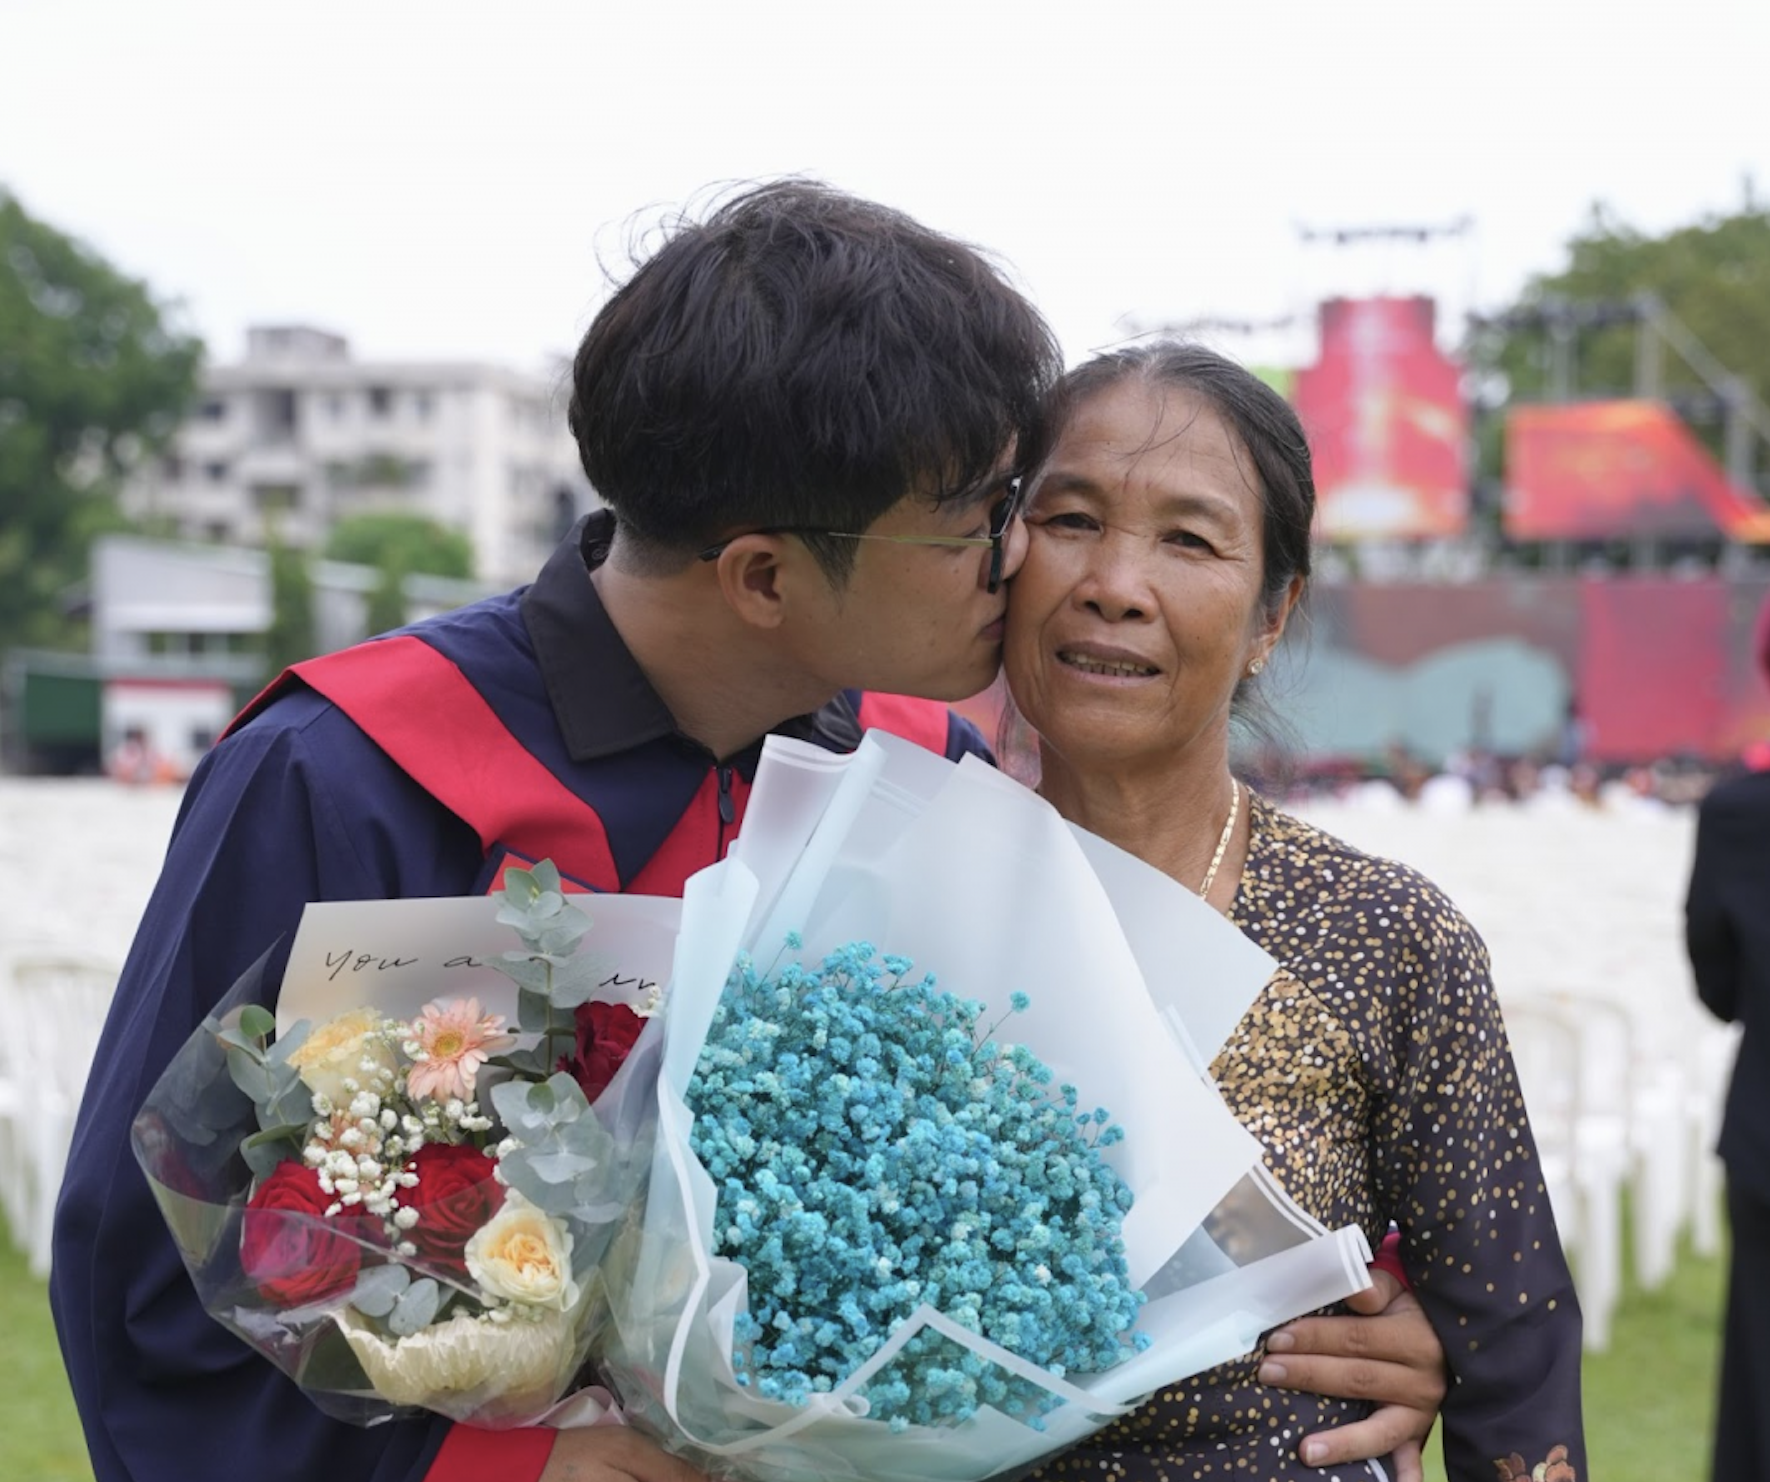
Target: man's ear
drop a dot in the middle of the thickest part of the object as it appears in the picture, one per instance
(750, 575)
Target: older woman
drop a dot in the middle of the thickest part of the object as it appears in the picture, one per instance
(1169, 545)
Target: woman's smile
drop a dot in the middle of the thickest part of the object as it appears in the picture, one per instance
(1103, 662)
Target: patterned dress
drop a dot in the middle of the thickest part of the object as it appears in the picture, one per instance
(1374, 1068)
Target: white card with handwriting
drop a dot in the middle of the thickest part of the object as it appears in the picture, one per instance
(398, 955)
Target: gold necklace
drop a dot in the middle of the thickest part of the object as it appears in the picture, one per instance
(1204, 891)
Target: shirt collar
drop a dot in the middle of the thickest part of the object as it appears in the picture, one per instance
(601, 698)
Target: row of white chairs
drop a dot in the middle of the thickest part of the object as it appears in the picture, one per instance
(1625, 1108)
(53, 1005)
(1624, 1112)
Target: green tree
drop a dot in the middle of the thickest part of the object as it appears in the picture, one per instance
(392, 540)
(93, 378)
(290, 638)
(386, 608)
(1577, 331)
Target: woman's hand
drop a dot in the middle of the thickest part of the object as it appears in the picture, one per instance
(613, 1453)
(1390, 1356)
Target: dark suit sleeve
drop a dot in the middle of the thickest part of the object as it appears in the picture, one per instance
(1710, 935)
(275, 816)
(963, 738)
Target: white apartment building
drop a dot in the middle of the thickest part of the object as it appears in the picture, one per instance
(300, 435)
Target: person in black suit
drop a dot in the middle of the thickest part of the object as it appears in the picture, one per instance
(1727, 933)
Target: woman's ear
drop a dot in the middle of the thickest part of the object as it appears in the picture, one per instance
(1277, 615)
(751, 578)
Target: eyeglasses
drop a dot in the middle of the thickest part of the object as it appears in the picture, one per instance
(1001, 519)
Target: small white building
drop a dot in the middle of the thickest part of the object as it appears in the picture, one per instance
(177, 639)
(300, 435)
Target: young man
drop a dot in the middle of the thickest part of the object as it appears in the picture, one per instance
(806, 414)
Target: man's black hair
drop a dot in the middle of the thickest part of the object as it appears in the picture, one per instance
(804, 358)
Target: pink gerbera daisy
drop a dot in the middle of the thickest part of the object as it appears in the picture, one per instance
(453, 1041)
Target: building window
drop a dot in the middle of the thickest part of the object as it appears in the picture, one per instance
(383, 471)
(275, 498)
(216, 472)
(334, 406)
(380, 401)
(213, 409)
(276, 415)
(423, 404)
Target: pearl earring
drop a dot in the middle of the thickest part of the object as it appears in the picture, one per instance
(1256, 666)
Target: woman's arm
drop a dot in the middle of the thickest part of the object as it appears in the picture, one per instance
(1458, 1168)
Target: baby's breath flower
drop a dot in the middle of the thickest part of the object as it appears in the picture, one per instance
(874, 1150)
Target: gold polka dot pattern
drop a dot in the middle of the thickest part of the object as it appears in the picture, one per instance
(1375, 1071)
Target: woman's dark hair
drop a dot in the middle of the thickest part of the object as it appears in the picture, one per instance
(804, 358)
(1264, 424)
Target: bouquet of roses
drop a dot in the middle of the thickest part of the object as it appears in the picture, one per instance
(888, 1233)
(396, 1188)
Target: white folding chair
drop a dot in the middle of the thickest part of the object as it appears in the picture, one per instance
(1713, 1049)
(55, 1006)
(1634, 1077)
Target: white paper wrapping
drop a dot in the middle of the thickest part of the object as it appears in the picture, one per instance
(1134, 984)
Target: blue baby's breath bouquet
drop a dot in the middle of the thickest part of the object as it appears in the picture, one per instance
(876, 1150)
(890, 1235)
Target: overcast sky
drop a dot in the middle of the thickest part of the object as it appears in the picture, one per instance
(453, 180)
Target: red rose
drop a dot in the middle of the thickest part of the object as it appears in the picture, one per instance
(606, 1032)
(454, 1196)
(290, 1248)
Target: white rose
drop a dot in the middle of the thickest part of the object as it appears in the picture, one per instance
(334, 1053)
(524, 1255)
(469, 1368)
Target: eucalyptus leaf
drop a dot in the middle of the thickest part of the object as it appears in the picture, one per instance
(523, 1062)
(249, 1075)
(560, 1166)
(590, 1204)
(575, 982)
(264, 1158)
(236, 1039)
(587, 1137)
(287, 1044)
(568, 1094)
(523, 970)
(416, 1307)
(551, 1198)
(378, 1288)
(285, 1132)
(559, 933)
(258, 1021)
(287, 1097)
(533, 1010)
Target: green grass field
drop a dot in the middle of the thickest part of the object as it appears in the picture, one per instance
(1649, 1398)
(42, 1434)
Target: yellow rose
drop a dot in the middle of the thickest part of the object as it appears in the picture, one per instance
(335, 1052)
(524, 1255)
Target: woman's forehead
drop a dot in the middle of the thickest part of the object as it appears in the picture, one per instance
(1143, 433)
